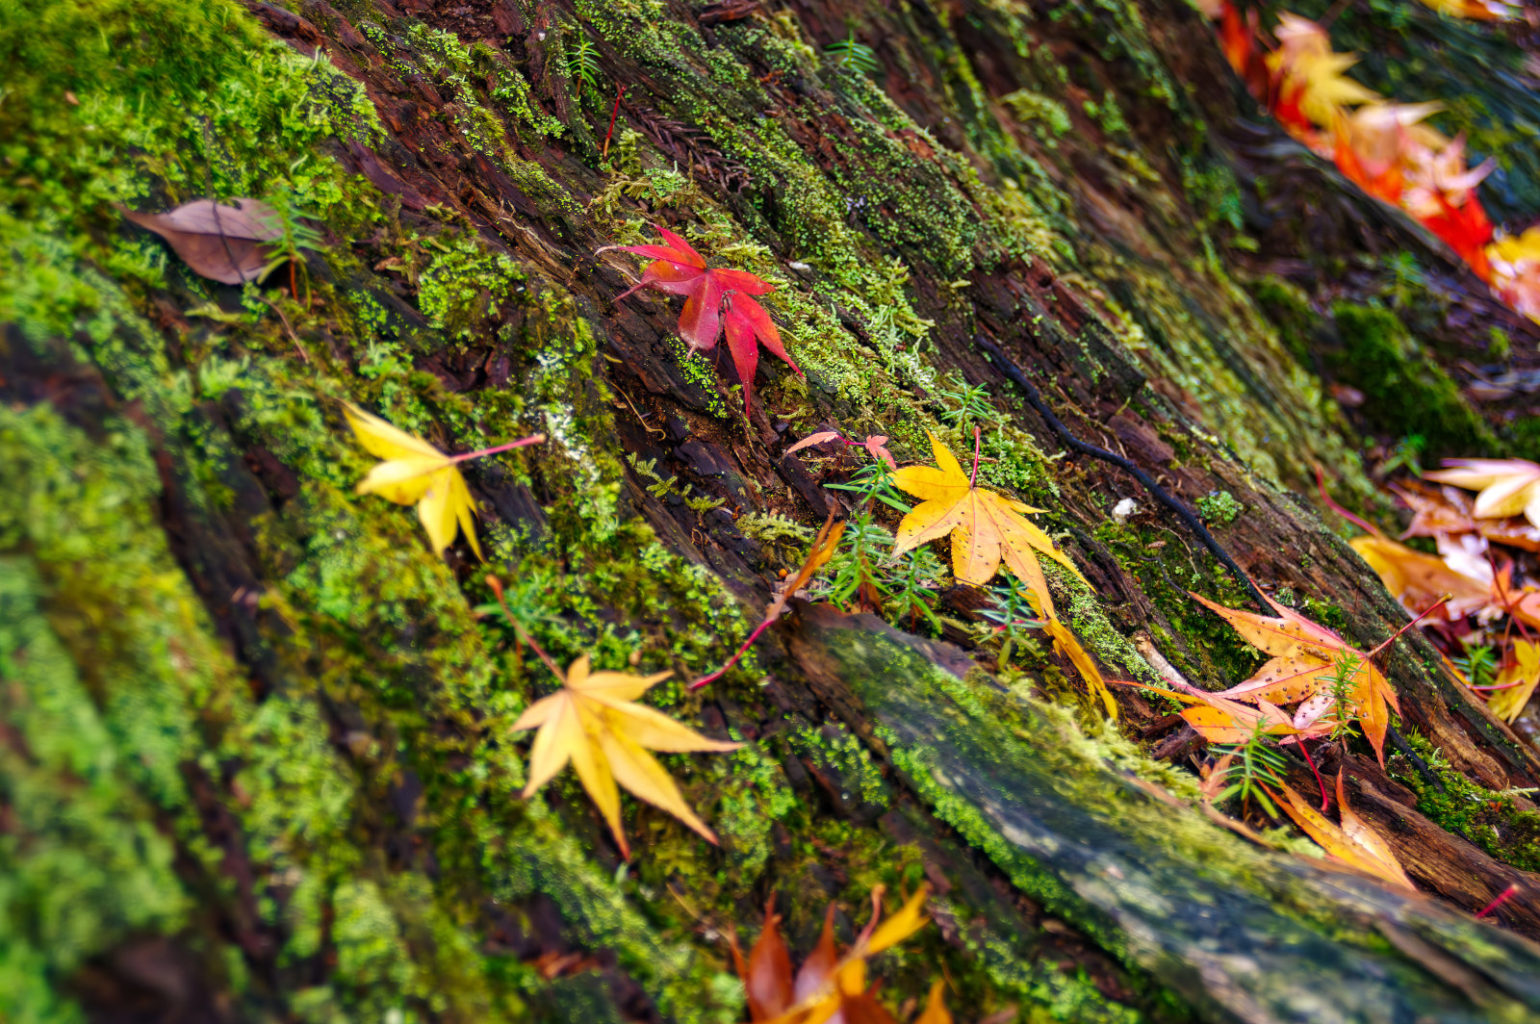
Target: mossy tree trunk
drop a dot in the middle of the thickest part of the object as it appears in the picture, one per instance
(254, 759)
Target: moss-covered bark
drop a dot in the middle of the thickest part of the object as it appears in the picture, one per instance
(254, 760)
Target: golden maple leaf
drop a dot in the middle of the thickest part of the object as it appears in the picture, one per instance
(1306, 660)
(1517, 682)
(986, 527)
(593, 722)
(1507, 487)
(935, 1006)
(416, 473)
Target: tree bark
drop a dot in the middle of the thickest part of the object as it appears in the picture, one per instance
(254, 756)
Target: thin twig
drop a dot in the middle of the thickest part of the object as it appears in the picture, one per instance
(1189, 519)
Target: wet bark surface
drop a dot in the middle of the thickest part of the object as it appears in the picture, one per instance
(386, 862)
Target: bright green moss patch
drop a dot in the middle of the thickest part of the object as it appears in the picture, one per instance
(1405, 391)
(1487, 818)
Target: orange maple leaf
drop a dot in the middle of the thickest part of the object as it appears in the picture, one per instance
(1354, 842)
(1304, 666)
(829, 986)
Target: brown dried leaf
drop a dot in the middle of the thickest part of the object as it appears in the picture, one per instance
(224, 243)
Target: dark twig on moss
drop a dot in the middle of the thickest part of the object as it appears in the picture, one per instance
(1159, 493)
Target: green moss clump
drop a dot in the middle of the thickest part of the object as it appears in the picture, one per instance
(1219, 507)
(1405, 391)
(1487, 818)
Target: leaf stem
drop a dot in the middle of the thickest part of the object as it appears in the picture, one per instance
(1502, 897)
(1320, 486)
(1319, 781)
(1396, 635)
(520, 443)
(620, 92)
(737, 656)
(523, 634)
(974, 479)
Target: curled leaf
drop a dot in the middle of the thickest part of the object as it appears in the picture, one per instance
(818, 438)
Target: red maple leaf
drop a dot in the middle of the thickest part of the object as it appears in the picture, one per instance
(714, 298)
(1467, 230)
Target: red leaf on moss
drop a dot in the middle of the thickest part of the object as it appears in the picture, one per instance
(713, 297)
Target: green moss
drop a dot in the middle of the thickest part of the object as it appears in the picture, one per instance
(1405, 391)
(1489, 819)
(1032, 106)
(1219, 507)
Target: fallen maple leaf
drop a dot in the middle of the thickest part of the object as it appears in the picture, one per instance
(935, 1011)
(823, 548)
(1515, 263)
(876, 445)
(1507, 487)
(1354, 842)
(1066, 644)
(714, 298)
(227, 243)
(1476, 10)
(416, 473)
(1224, 721)
(1418, 580)
(986, 527)
(829, 987)
(1303, 668)
(1516, 682)
(594, 722)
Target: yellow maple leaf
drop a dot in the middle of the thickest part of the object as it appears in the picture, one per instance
(986, 527)
(1507, 487)
(935, 1006)
(1518, 681)
(416, 473)
(1065, 643)
(1303, 669)
(593, 722)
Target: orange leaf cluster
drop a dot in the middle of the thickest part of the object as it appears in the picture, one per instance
(1306, 660)
(829, 986)
(1382, 146)
(1354, 842)
(1486, 570)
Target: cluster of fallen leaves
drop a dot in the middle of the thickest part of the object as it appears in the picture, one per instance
(830, 986)
(1483, 517)
(1306, 663)
(1384, 147)
(1330, 684)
